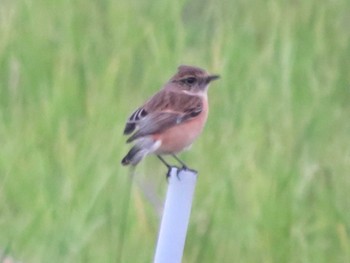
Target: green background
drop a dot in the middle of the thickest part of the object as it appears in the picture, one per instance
(273, 160)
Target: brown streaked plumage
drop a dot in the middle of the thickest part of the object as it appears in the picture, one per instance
(172, 119)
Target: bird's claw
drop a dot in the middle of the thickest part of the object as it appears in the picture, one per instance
(168, 174)
(185, 168)
(178, 170)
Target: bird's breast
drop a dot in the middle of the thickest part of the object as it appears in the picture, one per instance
(181, 136)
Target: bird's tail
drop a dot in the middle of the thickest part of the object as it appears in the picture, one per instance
(133, 157)
(142, 147)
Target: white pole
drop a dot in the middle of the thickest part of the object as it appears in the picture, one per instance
(176, 215)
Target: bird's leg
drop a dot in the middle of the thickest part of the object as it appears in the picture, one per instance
(184, 166)
(167, 165)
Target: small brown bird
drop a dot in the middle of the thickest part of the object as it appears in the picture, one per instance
(172, 119)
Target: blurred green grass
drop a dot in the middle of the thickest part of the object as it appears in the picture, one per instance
(274, 159)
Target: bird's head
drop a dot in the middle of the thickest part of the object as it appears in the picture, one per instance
(191, 79)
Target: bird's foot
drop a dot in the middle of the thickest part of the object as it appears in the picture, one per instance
(170, 168)
(178, 171)
(185, 168)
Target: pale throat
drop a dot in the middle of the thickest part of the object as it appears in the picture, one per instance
(202, 93)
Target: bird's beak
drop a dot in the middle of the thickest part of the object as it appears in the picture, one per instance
(212, 77)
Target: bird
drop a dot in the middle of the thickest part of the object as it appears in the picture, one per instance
(171, 120)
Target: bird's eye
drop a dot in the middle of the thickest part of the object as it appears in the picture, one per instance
(190, 80)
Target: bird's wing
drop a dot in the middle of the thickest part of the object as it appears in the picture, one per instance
(134, 119)
(164, 110)
(156, 122)
(140, 113)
